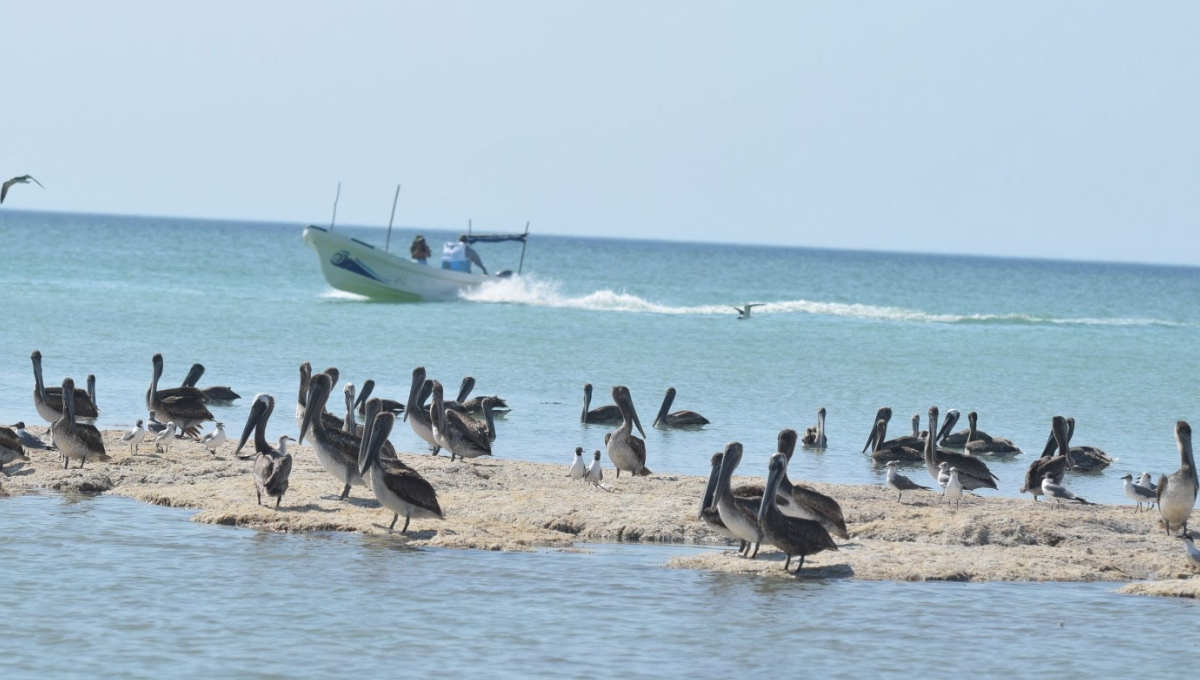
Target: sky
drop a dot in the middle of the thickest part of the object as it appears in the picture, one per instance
(1039, 129)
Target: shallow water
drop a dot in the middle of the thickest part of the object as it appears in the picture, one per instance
(1116, 346)
(109, 587)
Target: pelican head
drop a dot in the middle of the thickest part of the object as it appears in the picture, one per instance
(333, 374)
(775, 471)
(68, 400)
(884, 414)
(785, 443)
(710, 490)
(624, 401)
(318, 393)
(464, 390)
(665, 407)
(36, 357)
(260, 410)
(194, 374)
(367, 452)
(1058, 425)
(952, 417)
(368, 387)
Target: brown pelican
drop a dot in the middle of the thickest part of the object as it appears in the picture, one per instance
(76, 440)
(272, 467)
(708, 510)
(48, 400)
(459, 434)
(419, 418)
(474, 405)
(897, 452)
(214, 394)
(792, 535)
(11, 450)
(488, 405)
(398, 487)
(331, 421)
(678, 419)
(1177, 491)
(876, 440)
(899, 482)
(182, 405)
(22, 179)
(977, 445)
(609, 414)
(626, 451)
(956, 440)
(799, 500)
(1138, 494)
(337, 450)
(349, 424)
(368, 387)
(738, 514)
(213, 440)
(1085, 458)
(814, 437)
(1049, 466)
(972, 472)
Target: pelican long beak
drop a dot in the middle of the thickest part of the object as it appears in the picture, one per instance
(773, 477)
(952, 417)
(464, 390)
(368, 386)
(256, 412)
(662, 410)
(365, 456)
(316, 404)
(193, 376)
(874, 437)
(710, 490)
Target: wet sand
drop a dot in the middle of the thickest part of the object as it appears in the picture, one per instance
(497, 504)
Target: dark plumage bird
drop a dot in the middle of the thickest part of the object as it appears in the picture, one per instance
(398, 487)
(1049, 466)
(972, 472)
(272, 467)
(1177, 491)
(214, 394)
(23, 179)
(814, 435)
(360, 403)
(896, 450)
(48, 400)
(1085, 458)
(799, 500)
(792, 535)
(184, 406)
(608, 414)
(678, 419)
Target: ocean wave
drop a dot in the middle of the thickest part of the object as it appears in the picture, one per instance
(538, 293)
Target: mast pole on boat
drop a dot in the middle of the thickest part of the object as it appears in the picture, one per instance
(387, 244)
(524, 243)
(335, 202)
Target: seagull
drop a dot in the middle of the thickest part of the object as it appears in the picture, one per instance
(899, 482)
(134, 436)
(1138, 494)
(943, 475)
(28, 439)
(954, 489)
(578, 469)
(1147, 482)
(213, 440)
(1192, 553)
(162, 443)
(744, 312)
(595, 474)
(23, 179)
(1059, 492)
(155, 425)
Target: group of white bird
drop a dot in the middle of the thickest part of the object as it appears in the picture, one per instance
(164, 435)
(592, 474)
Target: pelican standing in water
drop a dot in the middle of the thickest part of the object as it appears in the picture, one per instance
(626, 451)
(678, 419)
(893, 451)
(740, 515)
(814, 436)
(337, 450)
(906, 445)
(78, 441)
(134, 436)
(972, 472)
(459, 434)
(48, 400)
(272, 467)
(1138, 494)
(899, 483)
(609, 414)
(978, 445)
(792, 535)
(182, 405)
(419, 419)
(398, 487)
(1049, 466)
(708, 510)
(578, 468)
(214, 394)
(1085, 458)
(1177, 491)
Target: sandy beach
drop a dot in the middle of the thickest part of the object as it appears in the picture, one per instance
(497, 504)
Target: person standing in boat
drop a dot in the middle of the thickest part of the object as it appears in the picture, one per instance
(458, 256)
(420, 250)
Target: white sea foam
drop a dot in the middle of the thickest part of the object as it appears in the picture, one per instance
(334, 294)
(539, 293)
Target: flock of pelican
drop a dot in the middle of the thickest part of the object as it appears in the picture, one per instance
(794, 517)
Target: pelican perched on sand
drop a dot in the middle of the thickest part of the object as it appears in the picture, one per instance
(272, 467)
(182, 405)
(459, 434)
(28, 439)
(799, 500)
(792, 535)
(739, 515)
(48, 400)
(134, 436)
(1049, 466)
(972, 472)
(419, 419)
(678, 419)
(330, 420)
(708, 509)
(1138, 494)
(76, 441)
(22, 179)
(214, 394)
(398, 487)
(349, 424)
(11, 450)
(337, 450)
(744, 312)
(626, 451)
(1177, 491)
(899, 483)
(814, 436)
(978, 444)
(609, 414)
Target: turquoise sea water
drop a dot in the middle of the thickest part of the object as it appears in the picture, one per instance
(1115, 346)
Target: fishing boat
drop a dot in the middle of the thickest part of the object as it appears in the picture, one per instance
(358, 267)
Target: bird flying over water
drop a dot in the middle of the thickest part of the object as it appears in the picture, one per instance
(23, 179)
(744, 312)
